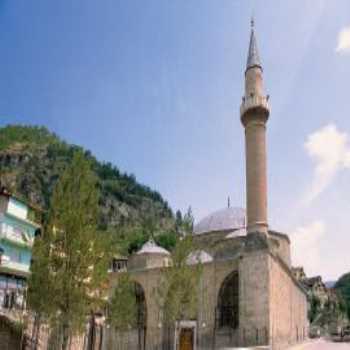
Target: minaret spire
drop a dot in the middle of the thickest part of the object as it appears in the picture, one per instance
(254, 115)
(253, 59)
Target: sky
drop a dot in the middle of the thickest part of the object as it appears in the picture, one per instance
(155, 86)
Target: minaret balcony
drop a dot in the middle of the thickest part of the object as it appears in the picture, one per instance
(254, 102)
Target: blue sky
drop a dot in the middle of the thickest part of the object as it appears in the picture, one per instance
(155, 86)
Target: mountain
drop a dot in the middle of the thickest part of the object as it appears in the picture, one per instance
(329, 284)
(32, 159)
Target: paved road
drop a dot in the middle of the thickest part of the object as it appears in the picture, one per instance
(322, 345)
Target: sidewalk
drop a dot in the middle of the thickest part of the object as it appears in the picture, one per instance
(321, 344)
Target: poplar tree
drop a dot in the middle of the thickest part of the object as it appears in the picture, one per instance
(39, 294)
(77, 254)
(122, 311)
(178, 291)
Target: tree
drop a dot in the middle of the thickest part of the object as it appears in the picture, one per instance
(188, 221)
(39, 287)
(122, 306)
(166, 240)
(178, 221)
(78, 255)
(314, 308)
(179, 289)
(342, 286)
(122, 312)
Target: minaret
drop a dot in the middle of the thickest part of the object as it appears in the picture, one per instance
(254, 115)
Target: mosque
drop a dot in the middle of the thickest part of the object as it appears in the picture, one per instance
(249, 295)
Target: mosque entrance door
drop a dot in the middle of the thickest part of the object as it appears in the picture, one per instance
(186, 339)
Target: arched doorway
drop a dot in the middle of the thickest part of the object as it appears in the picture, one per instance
(141, 317)
(227, 312)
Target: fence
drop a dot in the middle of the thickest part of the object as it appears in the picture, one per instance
(227, 337)
(160, 338)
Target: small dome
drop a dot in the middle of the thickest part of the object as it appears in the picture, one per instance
(150, 247)
(199, 256)
(228, 219)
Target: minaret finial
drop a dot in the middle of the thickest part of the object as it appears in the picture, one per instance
(252, 22)
(228, 202)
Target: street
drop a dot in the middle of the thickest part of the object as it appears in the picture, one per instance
(322, 344)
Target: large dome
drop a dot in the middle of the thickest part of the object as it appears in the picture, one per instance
(228, 219)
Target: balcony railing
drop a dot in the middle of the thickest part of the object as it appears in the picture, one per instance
(13, 266)
(254, 102)
(17, 236)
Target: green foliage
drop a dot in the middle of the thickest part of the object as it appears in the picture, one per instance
(40, 157)
(39, 285)
(131, 239)
(71, 259)
(29, 135)
(122, 313)
(343, 287)
(314, 308)
(178, 291)
(166, 240)
(188, 222)
(178, 220)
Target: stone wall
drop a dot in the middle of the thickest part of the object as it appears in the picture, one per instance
(288, 307)
(254, 295)
(148, 261)
(211, 281)
(283, 249)
(272, 305)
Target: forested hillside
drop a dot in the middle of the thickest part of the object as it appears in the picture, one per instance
(32, 158)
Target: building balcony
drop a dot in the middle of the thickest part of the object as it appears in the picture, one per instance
(13, 267)
(16, 236)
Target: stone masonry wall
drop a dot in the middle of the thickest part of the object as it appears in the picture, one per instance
(288, 307)
(254, 297)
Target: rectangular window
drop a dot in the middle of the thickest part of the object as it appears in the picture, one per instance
(3, 282)
(17, 208)
(12, 284)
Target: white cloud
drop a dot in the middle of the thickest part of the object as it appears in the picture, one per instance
(306, 247)
(344, 40)
(329, 148)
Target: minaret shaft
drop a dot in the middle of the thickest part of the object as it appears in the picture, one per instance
(256, 181)
(254, 116)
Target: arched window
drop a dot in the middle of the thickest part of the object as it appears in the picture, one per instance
(228, 302)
